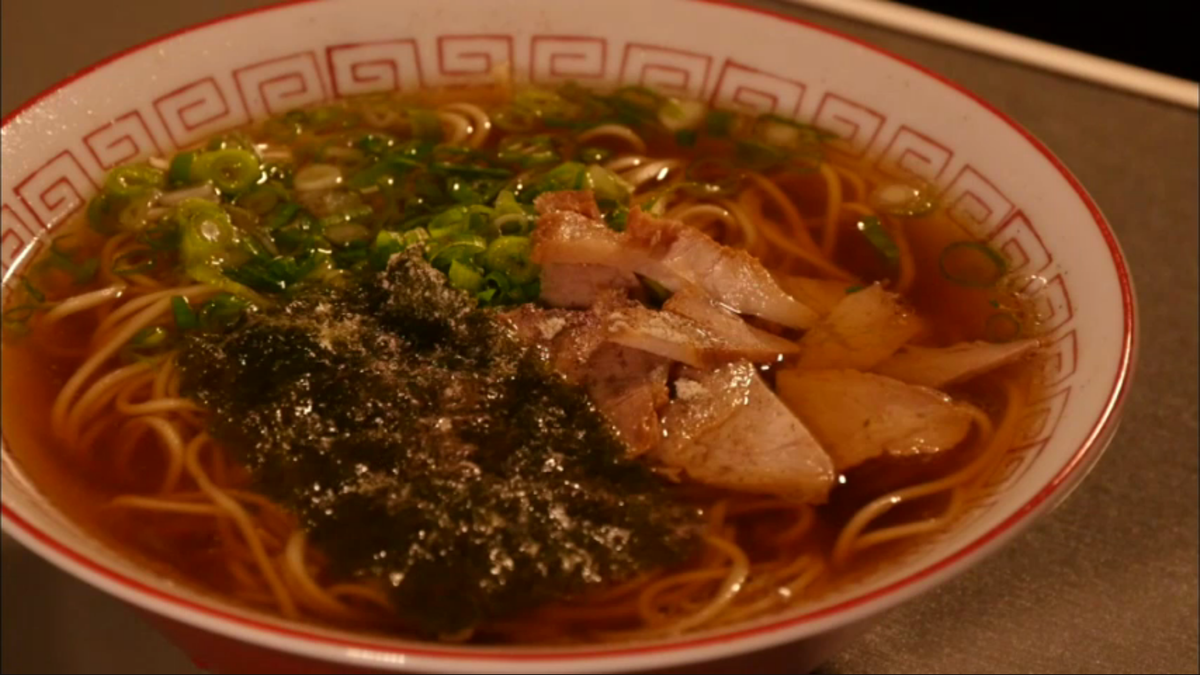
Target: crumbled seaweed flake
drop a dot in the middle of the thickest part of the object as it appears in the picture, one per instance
(420, 443)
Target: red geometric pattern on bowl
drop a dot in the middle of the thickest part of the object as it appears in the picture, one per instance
(15, 235)
(368, 67)
(975, 203)
(556, 59)
(200, 108)
(1013, 466)
(121, 140)
(856, 125)
(756, 91)
(56, 189)
(470, 59)
(1051, 304)
(195, 111)
(912, 154)
(1040, 418)
(1060, 358)
(666, 69)
(1005, 473)
(1021, 246)
(280, 84)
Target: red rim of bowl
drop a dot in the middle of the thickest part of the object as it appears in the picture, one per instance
(1080, 460)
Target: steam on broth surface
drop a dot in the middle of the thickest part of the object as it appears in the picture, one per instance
(515, 366)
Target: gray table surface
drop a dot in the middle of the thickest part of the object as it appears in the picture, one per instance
(1108, 583)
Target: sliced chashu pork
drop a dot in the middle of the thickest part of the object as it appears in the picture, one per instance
(939, 367)
(628, 386)
(570, 232)
(580, 286)
(726, 428)
(620, 351)
(860, 416)
(572, 219)
(691, 329)
(861, 331)
(681, 256)
(738, 337)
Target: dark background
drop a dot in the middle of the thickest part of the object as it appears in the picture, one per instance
(1148, 33)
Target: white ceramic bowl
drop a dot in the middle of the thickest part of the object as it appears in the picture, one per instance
(996, 179)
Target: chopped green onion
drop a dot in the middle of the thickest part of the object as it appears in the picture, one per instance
(133, 179)
(451, 220)
(375, 143)
(104, 211)
(972, 264)
(761, 156)
(898, 199)
(262, 199)
(464, 277)
(151, 336)
(146, 343)
(393, 165)
(658, 292)
(565, 176)
(80, 273)
(498, 281)
(180, 172)
(510, 255)
(351, 255)
(474, 192)
(454, 154)
(679, 116)
(608, 185)
(880, 239)
(617, 219)
(388, 244)
(354, 212)
(32, 290)
(221, 311)
(527, 151)
(185, 316)
(160, 236)
(634, 105)
(463, 249)
(686, 138)
(209, 243)
(16, 319)
(470, 170)
(344, 234)
(136, 213)
(854, 289)
(515, 120)
(425, 124)
(535, 104)
(720, 123)
(136, 261)
(283, 215)
(231, 170)
(235, 140)
(782, 132)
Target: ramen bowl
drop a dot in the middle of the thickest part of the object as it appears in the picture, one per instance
(994, 179)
